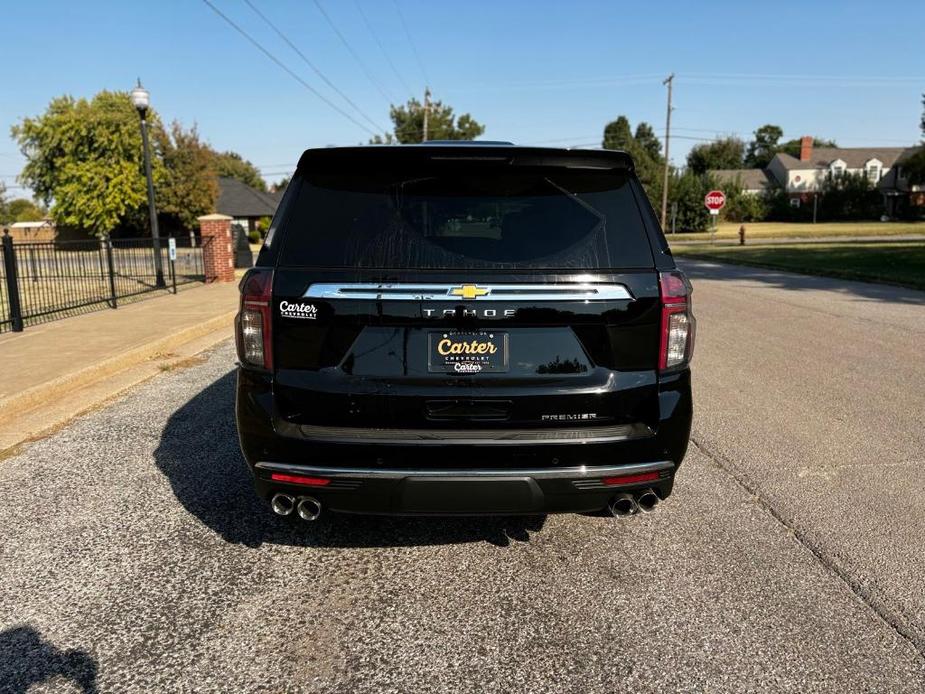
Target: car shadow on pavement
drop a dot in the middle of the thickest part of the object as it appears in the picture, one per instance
(26, 659)
(697, 269)
(198, 453)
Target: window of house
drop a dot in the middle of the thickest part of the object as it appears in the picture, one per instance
(873, 172)
(794, 202)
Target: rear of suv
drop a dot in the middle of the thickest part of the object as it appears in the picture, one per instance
(464, 329)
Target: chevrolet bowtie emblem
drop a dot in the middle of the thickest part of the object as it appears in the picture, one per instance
(469, 291)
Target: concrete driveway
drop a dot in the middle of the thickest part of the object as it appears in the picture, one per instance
(790, 558)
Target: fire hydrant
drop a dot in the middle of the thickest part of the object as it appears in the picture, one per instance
(742, 235)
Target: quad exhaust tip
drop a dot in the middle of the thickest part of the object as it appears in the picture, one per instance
(623, 505)
(309, 508)
(282, 504)
(647, 500)
(626, 504)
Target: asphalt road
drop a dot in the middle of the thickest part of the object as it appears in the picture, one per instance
(134, 556)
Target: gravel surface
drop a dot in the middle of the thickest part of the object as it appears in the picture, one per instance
(135, 556)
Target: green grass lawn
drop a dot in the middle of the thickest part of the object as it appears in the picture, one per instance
(759, 230)
(897, 262)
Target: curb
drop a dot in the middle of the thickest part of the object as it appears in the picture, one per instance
(42, 393)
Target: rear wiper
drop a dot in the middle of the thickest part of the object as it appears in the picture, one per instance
(398, 189)
(600, 218)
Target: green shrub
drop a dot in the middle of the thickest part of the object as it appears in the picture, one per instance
(685, 200)
(742, 206)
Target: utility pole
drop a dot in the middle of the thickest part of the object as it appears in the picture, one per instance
(426, 110)
(668, 80)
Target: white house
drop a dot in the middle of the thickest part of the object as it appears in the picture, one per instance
(806, 174)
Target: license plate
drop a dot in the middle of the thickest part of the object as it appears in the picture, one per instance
(464, 352)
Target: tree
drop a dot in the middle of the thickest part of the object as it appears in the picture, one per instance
(281, 184)
(742, 206)
(4, 208)
(685, 199)
(189, 187)
(442, 124)
(849, 196)
(913, 166)
(234, 165)
(767, 143)
(617, 135)
(22, 210)
(645, 138)
(644, 151)
(762, 149)
(725, 153)
(85, 159)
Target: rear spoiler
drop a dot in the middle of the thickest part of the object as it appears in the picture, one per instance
(340, 158)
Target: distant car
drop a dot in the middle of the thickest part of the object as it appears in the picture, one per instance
(464, 329)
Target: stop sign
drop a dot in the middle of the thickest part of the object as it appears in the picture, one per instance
(715, 200)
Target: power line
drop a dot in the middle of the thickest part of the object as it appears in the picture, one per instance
(274, 166)
(414, 48)
(719, 79)
(558, 139)
(292, 74)
(352, 52)
(801, 77)
(313, 66)
(382, 48)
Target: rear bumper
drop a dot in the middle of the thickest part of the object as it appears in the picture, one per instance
(384, 471)
(463, 491)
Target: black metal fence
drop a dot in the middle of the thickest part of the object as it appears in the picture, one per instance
(46, 280)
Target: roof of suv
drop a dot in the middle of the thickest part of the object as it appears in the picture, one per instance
(441, 150)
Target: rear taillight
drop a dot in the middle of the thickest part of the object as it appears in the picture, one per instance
(254, 324)
(677, 330)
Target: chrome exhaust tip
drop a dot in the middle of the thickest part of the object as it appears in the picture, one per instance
(647, 500)
(308, 508)
(623, 505)
(282, 504)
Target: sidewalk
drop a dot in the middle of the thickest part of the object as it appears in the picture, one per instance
(679, 240)
(56, 370)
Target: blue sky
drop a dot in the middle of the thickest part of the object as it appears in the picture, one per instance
(532, 71)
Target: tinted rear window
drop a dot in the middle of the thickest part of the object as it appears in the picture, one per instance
(452, 218)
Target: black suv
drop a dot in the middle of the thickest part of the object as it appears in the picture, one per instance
(464, 328)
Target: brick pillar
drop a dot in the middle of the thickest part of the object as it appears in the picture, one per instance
(217, 247)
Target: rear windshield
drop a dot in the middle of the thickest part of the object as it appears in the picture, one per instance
(508, 218)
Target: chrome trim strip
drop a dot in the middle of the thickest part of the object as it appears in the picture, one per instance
(481, 437)
(579, 472)
(371, 291)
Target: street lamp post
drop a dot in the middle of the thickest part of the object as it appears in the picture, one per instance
(141, 100)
